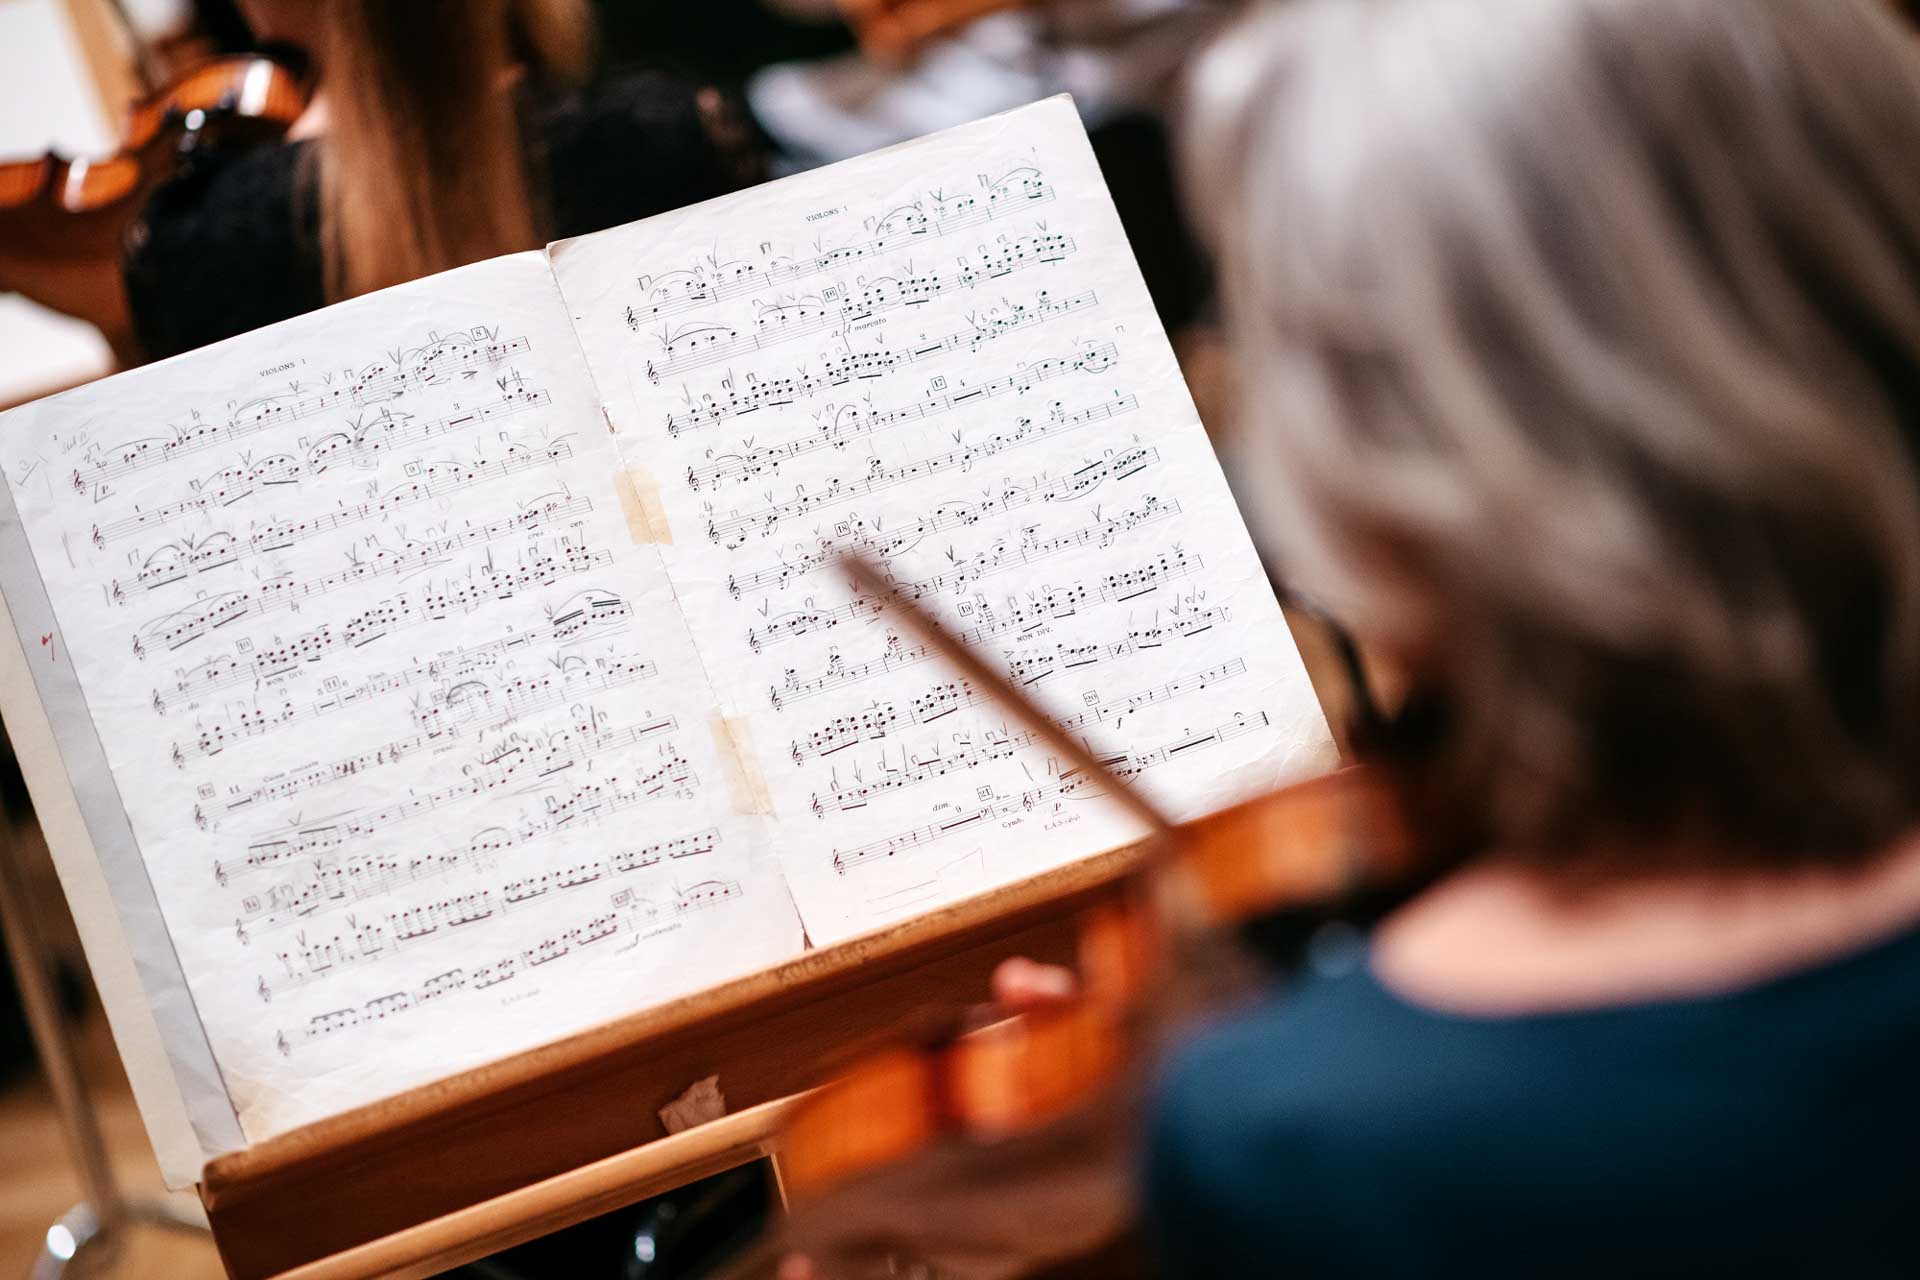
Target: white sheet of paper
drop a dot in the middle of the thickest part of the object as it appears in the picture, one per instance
(463, 665)
(419, 760)
(942, 354)
(147, 1049)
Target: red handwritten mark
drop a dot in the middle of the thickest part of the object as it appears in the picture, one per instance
(46, 642)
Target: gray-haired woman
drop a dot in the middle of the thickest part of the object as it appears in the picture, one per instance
(1581, 348)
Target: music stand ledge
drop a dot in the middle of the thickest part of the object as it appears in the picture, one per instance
(464, 1167)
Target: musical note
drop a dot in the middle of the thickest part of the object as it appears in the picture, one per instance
(697, 345)
(1050, 604)
(913, 770)
(1025, 666)
(258, 416)
(1071, 784)
(673, 292)
(851, 421)
(333, 883)
(731, 530)
(621, 921)
(454, 702)
(532, 753)
(583, 616)
(886, 541)
(485, 582)
(432, 480)
(883, 719)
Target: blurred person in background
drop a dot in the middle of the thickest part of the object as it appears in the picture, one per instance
(441, 132)
(1581, 351)
(1121, 60)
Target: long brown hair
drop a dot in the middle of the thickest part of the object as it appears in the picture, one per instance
(421, 167)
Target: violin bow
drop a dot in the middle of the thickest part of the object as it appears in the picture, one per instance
(867, 577)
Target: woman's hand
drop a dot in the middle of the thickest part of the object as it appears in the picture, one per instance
(1019, 985)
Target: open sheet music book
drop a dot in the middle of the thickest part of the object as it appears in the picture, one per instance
(454, 668)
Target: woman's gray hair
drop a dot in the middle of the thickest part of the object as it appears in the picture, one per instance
(1580, 348)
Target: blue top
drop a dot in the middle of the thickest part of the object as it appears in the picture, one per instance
(1339, 1130)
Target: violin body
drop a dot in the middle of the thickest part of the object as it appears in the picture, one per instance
(64, 221)
(1007, 1149)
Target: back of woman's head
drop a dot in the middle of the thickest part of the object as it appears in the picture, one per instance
(421, 168)
(1581, 351)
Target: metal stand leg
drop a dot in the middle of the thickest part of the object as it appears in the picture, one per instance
(86, 1236)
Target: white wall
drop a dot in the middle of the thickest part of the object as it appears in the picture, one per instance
(46, 100)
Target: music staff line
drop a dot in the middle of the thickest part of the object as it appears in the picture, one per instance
(464, 702)
(632, 916)
(711, 343)
(311, 961)
(1070, 784)
(321, 841)
(357, 943)
(232, 485)
(182, 627)
(949, 514)
(731, 531)
(913, 770)
(735, 279)
(851, 366)
(419, 555)
(269, 412)
(1046, 605)
(883, 719)
(966, 571)
(437, 480)
(334, 885)
(585, 615)
(1022, 668)
(496, 773)
(852, 423)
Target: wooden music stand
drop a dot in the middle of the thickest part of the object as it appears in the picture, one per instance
(467, 1166)
(510, 1151)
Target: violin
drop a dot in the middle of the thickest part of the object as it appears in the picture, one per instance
(979, 1151)
(64, 221)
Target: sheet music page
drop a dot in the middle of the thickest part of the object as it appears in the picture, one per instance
(420, 762)
(942, 354)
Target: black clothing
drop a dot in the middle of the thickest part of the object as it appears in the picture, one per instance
(231, 242)
(1342, 1131)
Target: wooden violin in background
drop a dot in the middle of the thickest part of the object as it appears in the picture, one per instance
(892, 31)
(64, 221)
(1006, 1148)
